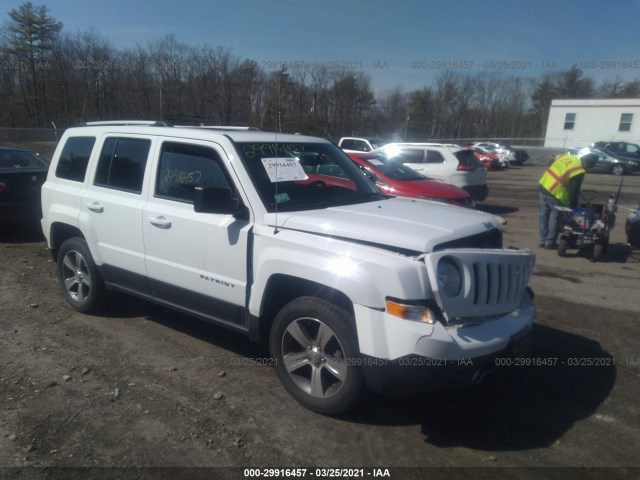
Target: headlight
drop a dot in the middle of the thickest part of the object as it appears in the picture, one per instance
(449, 277)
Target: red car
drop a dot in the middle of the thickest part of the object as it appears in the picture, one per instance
(393, 178)
(488, 159)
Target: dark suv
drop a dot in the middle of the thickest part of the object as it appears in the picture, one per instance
(621, 149)
(609, 162)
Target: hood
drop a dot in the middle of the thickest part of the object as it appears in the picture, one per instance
(403, 223)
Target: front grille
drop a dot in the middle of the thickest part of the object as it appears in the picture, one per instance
(494, 281)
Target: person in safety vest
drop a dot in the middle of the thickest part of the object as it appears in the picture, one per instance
(560, 187)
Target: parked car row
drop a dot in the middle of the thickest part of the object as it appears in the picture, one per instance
(462, 167)
(455, 165)
(490, 160)
(393, 177)
(506, 157)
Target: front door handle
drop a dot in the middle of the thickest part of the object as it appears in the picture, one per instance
(95, 207)
(160, 222)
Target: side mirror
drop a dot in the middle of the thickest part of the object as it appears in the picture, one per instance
(216, 200)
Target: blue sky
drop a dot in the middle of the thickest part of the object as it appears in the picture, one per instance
(404, 43)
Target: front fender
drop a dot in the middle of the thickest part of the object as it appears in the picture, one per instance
(365, 274)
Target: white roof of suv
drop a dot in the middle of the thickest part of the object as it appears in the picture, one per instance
(237, 134)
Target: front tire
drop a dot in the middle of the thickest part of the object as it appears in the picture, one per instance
(81, 282)
(314, 347)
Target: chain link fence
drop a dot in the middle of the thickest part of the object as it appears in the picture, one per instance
(40, 140)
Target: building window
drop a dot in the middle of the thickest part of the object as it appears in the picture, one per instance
(569, 121)
(625, 122)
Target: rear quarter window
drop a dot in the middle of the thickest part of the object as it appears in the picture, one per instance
(74, 158)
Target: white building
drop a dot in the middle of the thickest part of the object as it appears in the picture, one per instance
(576, 123)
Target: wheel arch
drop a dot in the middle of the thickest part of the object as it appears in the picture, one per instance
(282, 289)
(61, 232)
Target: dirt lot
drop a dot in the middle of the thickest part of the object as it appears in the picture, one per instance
(144, 387)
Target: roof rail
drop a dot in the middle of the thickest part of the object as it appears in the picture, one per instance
(220, 127)
(149, 123)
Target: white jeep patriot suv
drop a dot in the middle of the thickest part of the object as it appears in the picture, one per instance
(282, 238)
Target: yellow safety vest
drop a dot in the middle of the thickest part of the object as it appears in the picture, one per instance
(556, 179)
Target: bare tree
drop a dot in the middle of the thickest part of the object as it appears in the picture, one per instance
(30, 35)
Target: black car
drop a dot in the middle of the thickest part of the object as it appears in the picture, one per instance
(608, 162)
(22, 174)
(620, 149)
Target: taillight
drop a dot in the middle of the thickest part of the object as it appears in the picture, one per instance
(466, 168)
(3, 188)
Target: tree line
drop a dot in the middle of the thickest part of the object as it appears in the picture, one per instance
(51, 77)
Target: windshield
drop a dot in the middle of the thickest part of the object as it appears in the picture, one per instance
(393, 168)
(304, 176)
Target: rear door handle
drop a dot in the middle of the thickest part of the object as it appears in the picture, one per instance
(95, 207)
(160, 222)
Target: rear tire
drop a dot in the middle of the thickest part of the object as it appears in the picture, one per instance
(598, 249)
(81, 282)
(562, 247)
(314, 347)
(618, 169)
(605, 243)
